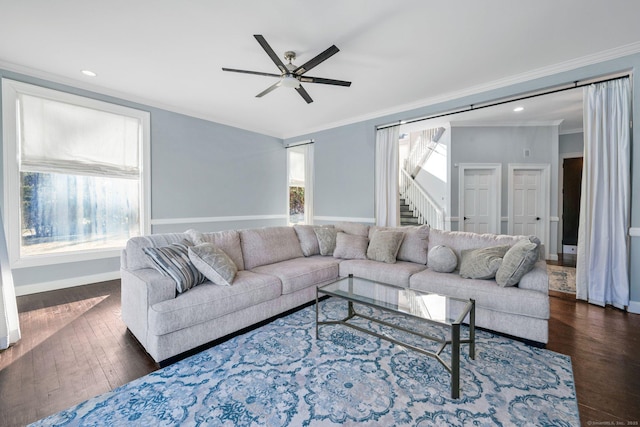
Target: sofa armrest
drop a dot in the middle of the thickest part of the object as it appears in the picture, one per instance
(537, 279)
(141, 289)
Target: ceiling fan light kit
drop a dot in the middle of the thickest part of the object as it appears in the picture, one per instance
(291, 75)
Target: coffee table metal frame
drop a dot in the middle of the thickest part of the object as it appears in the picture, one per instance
(453, 368)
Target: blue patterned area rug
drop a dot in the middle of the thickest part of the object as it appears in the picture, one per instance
(279, 375)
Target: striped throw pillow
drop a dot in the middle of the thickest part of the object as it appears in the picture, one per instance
(173, 261)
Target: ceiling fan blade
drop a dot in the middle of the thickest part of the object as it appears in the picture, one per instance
(258, 73)
(269, 89)
(303, 93)
(308, 79)
(276, 60)
(317, 60)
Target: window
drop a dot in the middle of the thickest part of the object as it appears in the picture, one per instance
(300, 184)
(74, 175)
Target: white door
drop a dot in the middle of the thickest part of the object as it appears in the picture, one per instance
(479, 195)
(528, 204)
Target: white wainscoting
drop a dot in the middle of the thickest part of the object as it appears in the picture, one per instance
(66, 283)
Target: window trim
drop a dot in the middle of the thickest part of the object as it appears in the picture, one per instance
(11, 173)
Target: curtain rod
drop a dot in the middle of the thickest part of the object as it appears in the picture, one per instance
(298, 144)
(472, 107)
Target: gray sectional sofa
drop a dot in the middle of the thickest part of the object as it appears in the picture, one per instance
(279, 268)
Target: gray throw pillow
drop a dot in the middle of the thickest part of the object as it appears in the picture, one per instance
(442, 259)
(384, 246)
(517, 262)
(308, 238)
(214, 263)
(349, 246)
(353, 228)
(326, 240)
(173, 261)
(481, 263)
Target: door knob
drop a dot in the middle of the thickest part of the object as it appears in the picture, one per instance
(465, 218)
(537, 218)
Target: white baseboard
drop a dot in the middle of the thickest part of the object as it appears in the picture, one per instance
(66, 283)
(634, 307)
(553, 257)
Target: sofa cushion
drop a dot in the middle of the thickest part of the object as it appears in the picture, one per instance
(228, 241)
(262, 246)
(486, 293)
(394, 274)
(209, 301)
(414, 245)
(353, 228)
(442, 259)
(173, 261)
(350, 246)
(384, 246)
(135, 258)
(214, 263)
(517, 262)
(300, 273)
(326, 240)
(481, 263)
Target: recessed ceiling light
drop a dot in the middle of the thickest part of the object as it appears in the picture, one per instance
(518, 109)
(89, 73)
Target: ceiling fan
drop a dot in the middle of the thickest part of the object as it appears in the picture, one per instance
(292, 75)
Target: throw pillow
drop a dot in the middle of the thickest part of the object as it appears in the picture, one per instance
(414, 245)
(517, 262)
(384, 246)
(308, 238)
(353, 228)
(214, 263)
(349, 246)
(326, 240)
(481, 263)
(442, 259)
(173, 261)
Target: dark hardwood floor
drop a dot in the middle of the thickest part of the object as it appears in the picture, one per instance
(75, 346)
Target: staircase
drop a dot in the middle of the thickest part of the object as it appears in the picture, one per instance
(406, 214)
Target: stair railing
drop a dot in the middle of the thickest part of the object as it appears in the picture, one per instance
(424, 147)
(424, 207)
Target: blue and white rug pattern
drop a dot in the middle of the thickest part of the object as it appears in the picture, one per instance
(279, 375)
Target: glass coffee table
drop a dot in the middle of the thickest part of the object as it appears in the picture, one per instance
(441, 310)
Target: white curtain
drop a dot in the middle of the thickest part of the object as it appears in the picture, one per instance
(602, 275)
(9, 325)
(308, 184)
(386, 179)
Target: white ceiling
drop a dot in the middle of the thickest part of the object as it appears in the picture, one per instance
(399, 54)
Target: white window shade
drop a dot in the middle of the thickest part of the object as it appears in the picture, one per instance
(65, 138)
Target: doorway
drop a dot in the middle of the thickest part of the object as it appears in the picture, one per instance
(571, 191)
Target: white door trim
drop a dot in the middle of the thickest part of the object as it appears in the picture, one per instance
(545, 184)
(497, 183)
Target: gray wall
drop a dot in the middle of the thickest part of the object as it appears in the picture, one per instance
(344, 172)
(199, 169)
(572, 143)
(505, 145)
